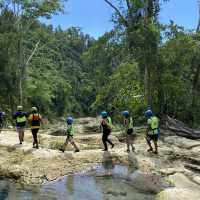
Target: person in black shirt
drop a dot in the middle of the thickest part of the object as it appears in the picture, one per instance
(106, 125)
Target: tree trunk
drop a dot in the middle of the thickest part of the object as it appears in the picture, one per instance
(146, 94)
(21, 71)
(198, 24)
(20, 92)
(180, 128)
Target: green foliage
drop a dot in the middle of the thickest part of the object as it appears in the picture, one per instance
(65, 72)
(123, 91)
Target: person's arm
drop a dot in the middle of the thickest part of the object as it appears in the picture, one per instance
(148, 126)
(100, 126)
(29, 119)
(65, 129)
(41, 121)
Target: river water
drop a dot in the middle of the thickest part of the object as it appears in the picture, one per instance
(98, 184)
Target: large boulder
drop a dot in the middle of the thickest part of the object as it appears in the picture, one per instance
(178, 194)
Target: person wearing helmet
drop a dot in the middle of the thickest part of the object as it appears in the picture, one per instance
(152, 130)
(106, 125)
(2, 115)
(35, 121)
(70, 135)
(20, 118)
(129, 131)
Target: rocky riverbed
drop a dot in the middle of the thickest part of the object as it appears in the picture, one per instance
(178, 161)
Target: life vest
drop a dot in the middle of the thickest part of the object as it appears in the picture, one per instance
(154, 125)
(107, 127)
(35, 120)
(70, 130)
(21, 118)
(128, 123)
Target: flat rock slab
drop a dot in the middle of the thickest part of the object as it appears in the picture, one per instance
(37, 166)
(178, 194)
(182, 142)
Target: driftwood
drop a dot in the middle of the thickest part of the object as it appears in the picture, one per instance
(180, 128)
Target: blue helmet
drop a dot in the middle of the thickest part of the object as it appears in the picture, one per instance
(148, 113)
(104, 114)
(70, 120)
(125, 113)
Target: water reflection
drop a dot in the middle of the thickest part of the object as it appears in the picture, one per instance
(4, 190)
(106, 183)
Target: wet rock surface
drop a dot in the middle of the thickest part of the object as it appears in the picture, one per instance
(177, 162)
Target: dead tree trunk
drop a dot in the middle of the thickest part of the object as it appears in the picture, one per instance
(180, 128)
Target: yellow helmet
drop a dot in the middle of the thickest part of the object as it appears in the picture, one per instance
(34, 109)
(19, 108)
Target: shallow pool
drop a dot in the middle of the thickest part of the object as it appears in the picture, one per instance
(101, 183)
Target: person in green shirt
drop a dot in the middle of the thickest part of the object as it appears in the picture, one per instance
(129, 131)
(152, 130)
(70, 135)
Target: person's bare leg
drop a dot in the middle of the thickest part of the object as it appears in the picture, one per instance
(20, 136)
(133, 148)
(127, 143)
(149, 144)
(65, 145)
(75, 146)
(156, 146)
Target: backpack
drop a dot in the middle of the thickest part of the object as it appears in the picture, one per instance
(35, 121)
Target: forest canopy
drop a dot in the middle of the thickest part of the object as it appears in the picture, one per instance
(139, 63)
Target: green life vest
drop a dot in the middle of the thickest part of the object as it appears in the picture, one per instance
(70, 130)
(21, 119)
(154, 124)
(110, 122)
(130, 123)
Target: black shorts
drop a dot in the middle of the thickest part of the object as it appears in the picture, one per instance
(106, 131)
(153, 137)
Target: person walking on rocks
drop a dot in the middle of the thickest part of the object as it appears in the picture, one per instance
(35, 121)
(21, 118)
(129, 131)
(152, 130)
(106, 125)
(70, 135)
(2, 115)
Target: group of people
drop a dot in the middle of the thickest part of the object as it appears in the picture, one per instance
(152, 131)
(35, 120)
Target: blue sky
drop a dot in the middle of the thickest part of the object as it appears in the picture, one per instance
(94, 16)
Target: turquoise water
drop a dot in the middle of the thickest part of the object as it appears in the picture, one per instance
(111, 183)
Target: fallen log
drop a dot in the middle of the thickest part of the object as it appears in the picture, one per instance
(179, 128)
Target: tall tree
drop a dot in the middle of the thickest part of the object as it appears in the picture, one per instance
(139, 18)
(23, 14)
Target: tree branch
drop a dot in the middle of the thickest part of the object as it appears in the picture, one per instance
(124, 21)
(32, 54)
(198, 25)
(128, 4)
